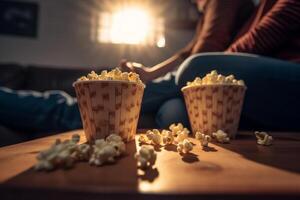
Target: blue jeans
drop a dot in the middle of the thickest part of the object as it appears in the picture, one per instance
(38, 112)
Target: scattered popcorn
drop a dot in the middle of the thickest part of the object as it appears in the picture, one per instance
(204, 139)
(117, 142)
(176, 128)
(143, 139)
(179, 132)
(214, 78)
(263, 138)
(83, 152)
(114, 138)
(65, 154)
(114, 74)
(185, 146)
(59, 154)
(154, 136)
(106, 154)
(198, 135)
(181, 135)
(105, 151)
(168, 137)
(221, 136)
(146, 156)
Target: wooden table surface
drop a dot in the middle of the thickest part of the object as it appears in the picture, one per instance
(239, 170)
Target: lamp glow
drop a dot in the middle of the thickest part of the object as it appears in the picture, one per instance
(131, 25)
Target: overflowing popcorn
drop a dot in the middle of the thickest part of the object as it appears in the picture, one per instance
(184, 146)
(221, 136)
(263, 138)
(114, 74)
(204, 139)
(213, 78)
(106, 151)
(65, 154)
(146, 156)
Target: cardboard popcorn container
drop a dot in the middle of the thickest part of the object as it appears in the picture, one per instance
(214, 107)
(109, 107)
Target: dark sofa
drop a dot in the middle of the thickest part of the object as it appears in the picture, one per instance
(42, 78)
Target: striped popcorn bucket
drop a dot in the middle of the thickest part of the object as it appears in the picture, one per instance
(214, 107)
(109, 107)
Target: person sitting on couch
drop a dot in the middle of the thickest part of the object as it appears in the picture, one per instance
(271, 101)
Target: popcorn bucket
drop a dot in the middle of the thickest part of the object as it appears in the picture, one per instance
(214, 107)
(108, 107)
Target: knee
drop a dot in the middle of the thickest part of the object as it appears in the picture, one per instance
(195, 65)
(172, 111)
(203, 63)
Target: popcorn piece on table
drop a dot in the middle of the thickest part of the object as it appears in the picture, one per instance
(204, 139)
(185, 146)
(82, 152)
(214, 78)
(143, 139)
(146, 156)
(263, 138)
(117, 142)
(113, 138)
(181, 135)
(154, 136)
(167, 137)
(58, 155)
(105, 151)
(176, 128)
(221, 136)
(106, 154)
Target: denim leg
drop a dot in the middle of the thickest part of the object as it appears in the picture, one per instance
(158, 91)
(37, 111)
(272, 97)
(172, 111)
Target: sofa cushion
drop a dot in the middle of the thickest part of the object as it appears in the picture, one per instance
(54, 78)
(12, 75)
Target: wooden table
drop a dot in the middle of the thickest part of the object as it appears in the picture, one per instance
(239, 170)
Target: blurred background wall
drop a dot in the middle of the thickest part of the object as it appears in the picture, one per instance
(64, 38)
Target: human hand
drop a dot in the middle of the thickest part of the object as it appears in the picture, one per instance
(145, 73)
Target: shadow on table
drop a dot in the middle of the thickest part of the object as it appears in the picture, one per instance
(148, 175)
(189, 157)
(82, 176)
(283, 154)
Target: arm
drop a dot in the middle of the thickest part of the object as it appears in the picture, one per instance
(214, 33)
(150, 73)
(273, 30)
(220, 22)
(170, 63)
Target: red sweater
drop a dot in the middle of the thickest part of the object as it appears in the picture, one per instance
(273, 30)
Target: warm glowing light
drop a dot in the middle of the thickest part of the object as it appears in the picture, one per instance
(131, 25)
(161, 42)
